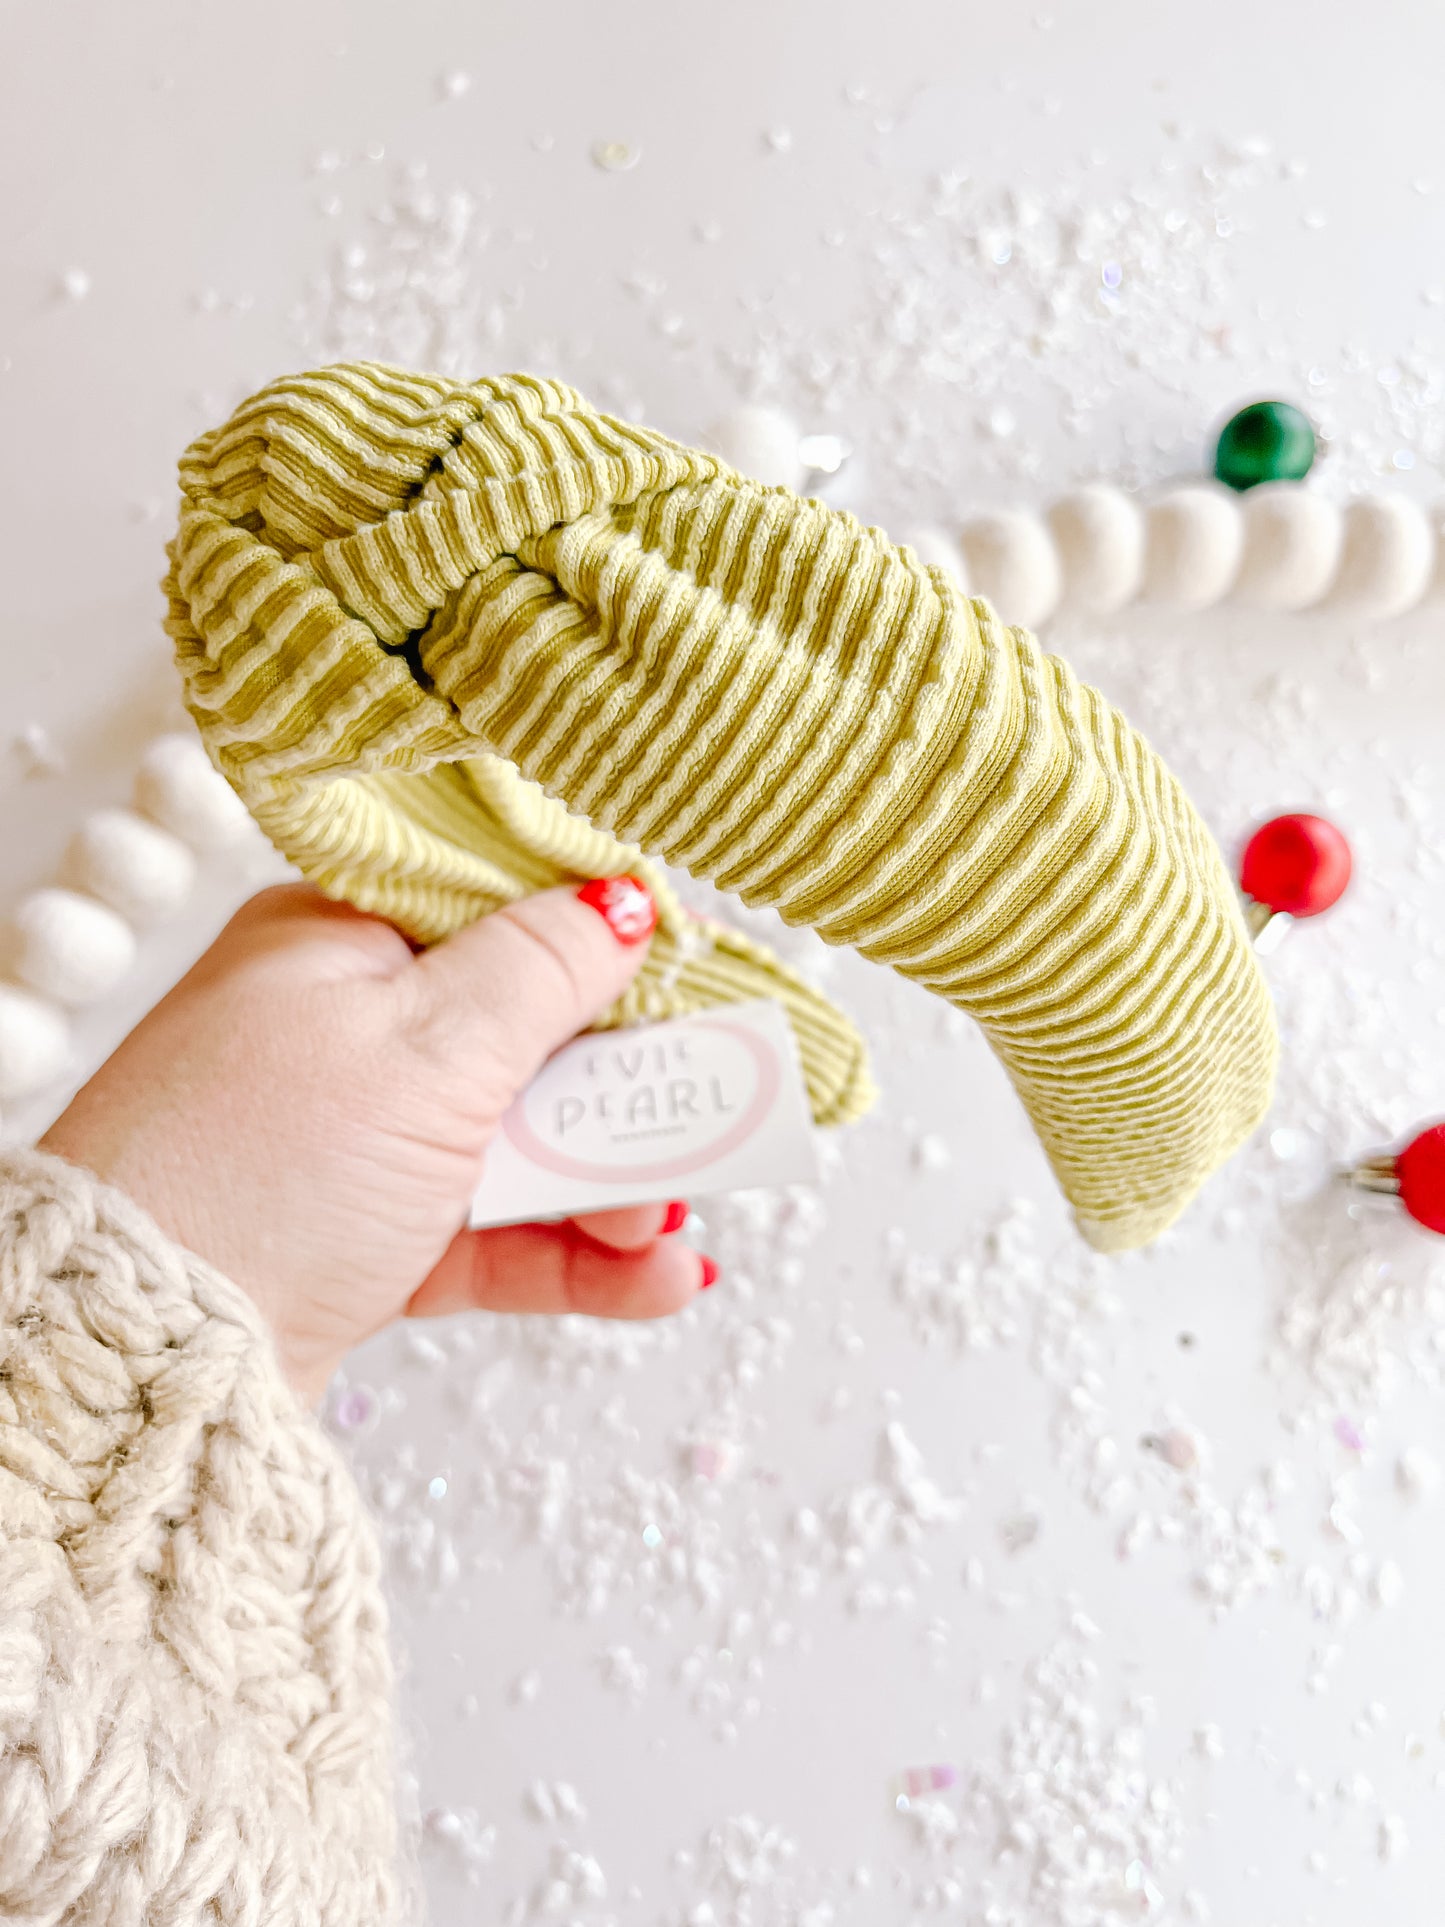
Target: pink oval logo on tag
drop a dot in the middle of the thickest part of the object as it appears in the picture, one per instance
(647, 1105)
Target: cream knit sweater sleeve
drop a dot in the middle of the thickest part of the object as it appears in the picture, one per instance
(195, 1691)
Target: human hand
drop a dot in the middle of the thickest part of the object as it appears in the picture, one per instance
(309, 1108)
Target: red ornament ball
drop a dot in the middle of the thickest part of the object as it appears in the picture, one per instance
(1420, 1168)
(1296, 864)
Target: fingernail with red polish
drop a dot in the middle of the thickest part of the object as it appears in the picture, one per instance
(709, 1274)
(626, 903)
(674, 1218)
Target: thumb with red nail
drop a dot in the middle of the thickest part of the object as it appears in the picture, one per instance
(310, 1108)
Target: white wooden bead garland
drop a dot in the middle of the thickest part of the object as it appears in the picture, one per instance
(761, 442)
(142, 871)
(34, 1042)
(1278, 546)
(70, 944)
(70, 947)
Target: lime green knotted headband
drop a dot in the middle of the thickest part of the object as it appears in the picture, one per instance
(450, 641)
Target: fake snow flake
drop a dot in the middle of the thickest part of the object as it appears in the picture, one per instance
(1388, 1586)
(554, 1800)
(615, 157)
(916, 1780)
(624, 1672)
(714, 1459)
(931, 1152)
(1137, 1881)
(526, 1687)
(573, 1877)
(1340, 1523)
(75, 284)
(1175, 1447)
(355, 1410)
(1392, 1839)
(1417, 1474)
(1018, 1533)
(36, 751)
(460, 1835)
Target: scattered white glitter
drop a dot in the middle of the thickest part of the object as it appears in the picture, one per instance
(1067, 1829)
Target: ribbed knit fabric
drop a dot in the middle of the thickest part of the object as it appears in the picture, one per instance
(195, 1721)
(383, 582)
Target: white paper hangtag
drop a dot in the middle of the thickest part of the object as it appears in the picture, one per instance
(709, 1102)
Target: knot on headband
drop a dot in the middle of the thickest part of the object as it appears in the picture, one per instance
(452, 641)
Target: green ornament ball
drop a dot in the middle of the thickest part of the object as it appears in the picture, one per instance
(1270, 441)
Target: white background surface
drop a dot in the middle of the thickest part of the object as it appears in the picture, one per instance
(893, 222)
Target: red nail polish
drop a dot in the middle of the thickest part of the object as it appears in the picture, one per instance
(709, 1274)
(674, 1218)
(626, 903)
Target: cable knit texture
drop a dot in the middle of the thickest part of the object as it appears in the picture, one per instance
(400, 604)
(195, 1719)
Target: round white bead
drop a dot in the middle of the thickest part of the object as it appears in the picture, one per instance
(936, 549)
(1291, 547)
(762, 443)
(1011, 559)
(139, 870)
(1099, 534)
(1387, 557)
(178, 787)
(70, 947)
(1192, 543)
(34, 1042)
